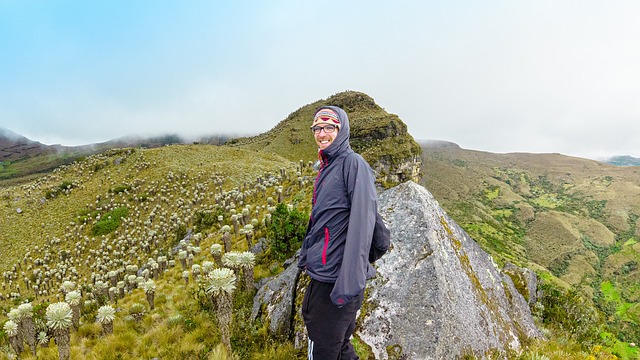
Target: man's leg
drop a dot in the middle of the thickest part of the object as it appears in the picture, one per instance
(328, 326)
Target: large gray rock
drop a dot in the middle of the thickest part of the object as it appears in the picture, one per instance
(275, 301)
(437, 295)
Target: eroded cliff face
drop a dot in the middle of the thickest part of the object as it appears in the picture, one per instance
(436, 295)
(392, 172)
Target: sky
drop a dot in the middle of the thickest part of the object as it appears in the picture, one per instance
(542, 76)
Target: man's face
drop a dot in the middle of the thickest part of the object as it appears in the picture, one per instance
(324, 138)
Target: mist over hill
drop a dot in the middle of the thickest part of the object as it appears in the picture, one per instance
(22, 159)
(623, 160)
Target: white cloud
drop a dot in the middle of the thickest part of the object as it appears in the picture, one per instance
(497, 76)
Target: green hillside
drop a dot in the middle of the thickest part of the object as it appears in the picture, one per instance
(99, 221)
(574, 221)
(130, 207)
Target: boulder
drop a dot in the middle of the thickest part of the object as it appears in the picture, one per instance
(437, 294)
(275, 300)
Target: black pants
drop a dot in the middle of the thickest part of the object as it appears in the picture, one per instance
(328, 326)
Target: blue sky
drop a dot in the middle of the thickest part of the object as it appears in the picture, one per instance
(499, 76)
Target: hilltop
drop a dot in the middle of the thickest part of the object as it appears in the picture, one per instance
(381, 138)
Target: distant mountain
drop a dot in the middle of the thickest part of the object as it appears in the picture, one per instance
(14, 147)
(624, 160)
(20, 156)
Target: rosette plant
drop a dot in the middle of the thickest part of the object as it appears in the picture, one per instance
(206, 267)
(11, 329)
(226, 238)
(14, 316)
(74, 299)
(182, 256)
(216, 252)
(220, 286)
(59, 319)
(28, 326)
(232, 261)
(247, 261)
(234, 220)
(43, 339)
(150, 291)
(67, 286)
(106, 315)
(196, 271)
(248, 233)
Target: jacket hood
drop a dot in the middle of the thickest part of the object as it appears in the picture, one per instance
(341, 142)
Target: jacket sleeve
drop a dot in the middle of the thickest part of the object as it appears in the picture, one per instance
(355, 268)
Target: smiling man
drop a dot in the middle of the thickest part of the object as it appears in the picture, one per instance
(325, 127)
(336, 249)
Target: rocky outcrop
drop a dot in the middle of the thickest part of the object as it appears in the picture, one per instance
(437, 295)
(275, 302)
(389, 171)
(525, 280)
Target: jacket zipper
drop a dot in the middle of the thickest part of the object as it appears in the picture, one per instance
(326, 245)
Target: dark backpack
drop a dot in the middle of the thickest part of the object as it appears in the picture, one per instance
(381, 240)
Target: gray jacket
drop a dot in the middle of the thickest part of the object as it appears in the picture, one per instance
(345, 204)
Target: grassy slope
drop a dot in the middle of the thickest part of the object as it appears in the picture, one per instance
(176, 173)
(498, 218)
(48, 224)
(43, 218)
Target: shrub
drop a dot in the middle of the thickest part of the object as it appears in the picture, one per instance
(110, 221)
(286, 231)
(571, 312)
(204, 220)
(120, 188)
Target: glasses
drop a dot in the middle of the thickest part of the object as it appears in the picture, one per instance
(327, 129)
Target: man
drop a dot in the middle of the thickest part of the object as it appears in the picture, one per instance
(336, 248)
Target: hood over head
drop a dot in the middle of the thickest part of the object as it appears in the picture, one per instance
(341, 142)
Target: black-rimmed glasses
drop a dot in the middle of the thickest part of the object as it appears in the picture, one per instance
(327, 129)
